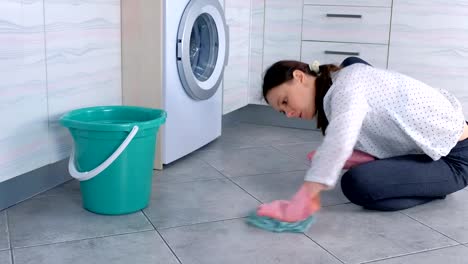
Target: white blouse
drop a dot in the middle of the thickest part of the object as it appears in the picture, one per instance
(385, 114)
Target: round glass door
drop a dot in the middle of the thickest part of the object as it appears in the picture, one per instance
(202, 48)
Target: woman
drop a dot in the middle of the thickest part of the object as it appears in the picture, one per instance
(415, 132)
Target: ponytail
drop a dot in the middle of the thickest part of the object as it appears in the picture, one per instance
(323, 82)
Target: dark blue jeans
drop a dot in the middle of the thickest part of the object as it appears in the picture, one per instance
(406, 181)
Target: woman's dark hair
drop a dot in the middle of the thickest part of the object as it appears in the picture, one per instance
(282, 71)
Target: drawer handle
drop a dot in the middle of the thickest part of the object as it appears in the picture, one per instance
(344, 15)
(342, 53)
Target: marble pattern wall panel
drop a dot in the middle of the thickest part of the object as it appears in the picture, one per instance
(236, 73)
(83, 60)
(429, 43)
(256, 51)
(23, 95)
(282, 35)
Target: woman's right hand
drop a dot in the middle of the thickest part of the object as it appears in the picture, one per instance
(302, 205)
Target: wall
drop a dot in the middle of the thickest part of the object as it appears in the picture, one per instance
(256, 51)
(23, 100)
(55, 55)
(83, 60)
(236, 73)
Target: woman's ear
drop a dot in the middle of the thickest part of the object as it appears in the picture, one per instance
(299, 75)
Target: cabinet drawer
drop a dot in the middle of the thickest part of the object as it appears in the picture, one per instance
(383, 3)
(346, 24)
(335, 53)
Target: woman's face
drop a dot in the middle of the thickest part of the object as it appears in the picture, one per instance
(295, 98)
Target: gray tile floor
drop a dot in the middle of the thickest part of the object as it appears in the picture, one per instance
(198, 209)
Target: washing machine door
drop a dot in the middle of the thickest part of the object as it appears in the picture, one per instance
(202, 48)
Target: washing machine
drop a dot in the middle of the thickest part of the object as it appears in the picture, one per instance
(196, 45)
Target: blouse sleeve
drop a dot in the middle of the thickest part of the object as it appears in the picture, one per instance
(345, 122)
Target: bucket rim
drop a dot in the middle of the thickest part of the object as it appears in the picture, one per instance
(69, 119)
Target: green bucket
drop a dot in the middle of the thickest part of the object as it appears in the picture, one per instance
(113, 155)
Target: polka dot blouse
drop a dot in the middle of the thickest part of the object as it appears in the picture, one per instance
(385, 114)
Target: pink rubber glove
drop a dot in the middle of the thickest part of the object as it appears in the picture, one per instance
(357, 158)
(301, 206)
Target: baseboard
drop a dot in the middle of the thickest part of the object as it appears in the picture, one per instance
(265, 115)
(27, 185)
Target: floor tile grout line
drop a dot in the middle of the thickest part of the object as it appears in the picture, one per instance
(201, 223)
(233, 182)
(263, 202)
(274, 126)
(230, 149)
(53, 195)
(163, 239)
(11, 256)
(9, 237)
(291, 156)
(225, 176)
(256, 174)
(240, 187)
(83, 239)
(192, 181)
(266, 173)
(298, 143)
(229, 179)
(318, 244)
(430, 228)
(408, 254)
(263, 126)
(267, 145)
(42, 194)
(252, 175)
(8, 229)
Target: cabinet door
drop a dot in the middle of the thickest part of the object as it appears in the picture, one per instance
(83, 61)
(283, 26)
(346, 24)
(23, 96)
(429, 42)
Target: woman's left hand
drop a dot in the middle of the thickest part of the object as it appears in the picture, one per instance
(357, 158)
(302, 205)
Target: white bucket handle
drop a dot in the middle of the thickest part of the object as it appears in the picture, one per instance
(83, 176)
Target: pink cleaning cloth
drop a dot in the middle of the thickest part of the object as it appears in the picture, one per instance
(299, 208)
(357, 158)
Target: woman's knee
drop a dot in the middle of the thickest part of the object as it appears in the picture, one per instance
(356, 187)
